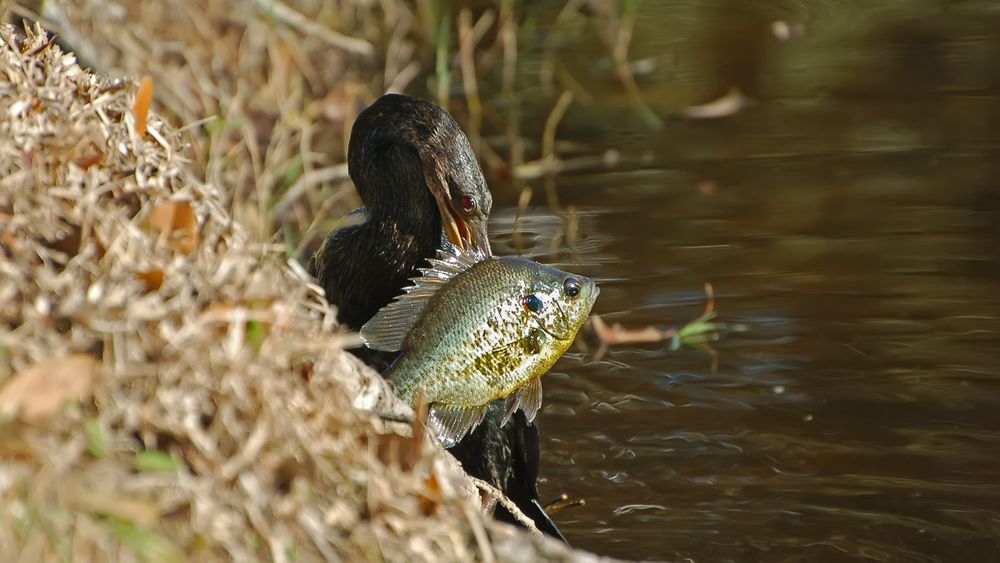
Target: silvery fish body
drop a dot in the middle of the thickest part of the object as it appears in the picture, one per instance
(474, 329)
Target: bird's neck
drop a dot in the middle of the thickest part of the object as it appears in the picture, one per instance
(363, 267)
(408, 233)
(401, 243)
(404, 220)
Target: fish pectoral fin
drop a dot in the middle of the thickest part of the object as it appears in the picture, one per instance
(501, 360)
(528, 398)
(451, 423)
(510, 405)
(506, 350)
(527, 345)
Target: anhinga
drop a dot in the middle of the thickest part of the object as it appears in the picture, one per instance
(419, 180)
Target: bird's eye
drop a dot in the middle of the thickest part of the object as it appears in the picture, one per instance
(532, 303)
(571, 287)
(468, 203)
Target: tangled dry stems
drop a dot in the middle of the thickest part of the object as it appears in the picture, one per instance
(267, 90)
(219, 416)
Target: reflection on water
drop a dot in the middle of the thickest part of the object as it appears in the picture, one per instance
(849, 218)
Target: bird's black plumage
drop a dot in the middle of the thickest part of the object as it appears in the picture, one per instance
(416, 173)
(401, 150)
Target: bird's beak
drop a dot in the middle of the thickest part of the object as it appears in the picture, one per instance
(456, 228)
(479, 238)
(450, 221)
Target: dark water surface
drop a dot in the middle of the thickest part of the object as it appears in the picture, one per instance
(850, 218)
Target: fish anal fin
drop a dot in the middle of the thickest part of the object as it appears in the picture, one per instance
(527, 397)
(451, 423)
(531, 398)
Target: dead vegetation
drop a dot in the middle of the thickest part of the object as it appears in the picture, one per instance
(265, 91)
(171, 388)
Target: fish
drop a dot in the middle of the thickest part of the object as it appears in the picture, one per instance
(474, 328)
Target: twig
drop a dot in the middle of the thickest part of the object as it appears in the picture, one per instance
(502, 499)
(732, 102)
(546, 72)
(522, 206)
(698, 332)
(466, 47)
(549, 142)
(291, 18)
(552, 123)
(508, 36)
(480, 534)
(309, 180)
(555, 165)
(562, 503)
(619, 50)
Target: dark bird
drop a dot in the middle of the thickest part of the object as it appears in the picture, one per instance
(419, 180)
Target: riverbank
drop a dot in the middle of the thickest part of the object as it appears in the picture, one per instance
(171, 386)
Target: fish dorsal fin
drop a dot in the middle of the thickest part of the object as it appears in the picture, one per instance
(387, 330)
(451, 423)
(528, 398)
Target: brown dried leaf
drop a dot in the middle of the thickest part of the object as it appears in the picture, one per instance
(431, 498)
(617, 334)
(152, 278)
(90, 160)
(68, 244)
(177, 221)
(140, 108)
(9, 241)
(41, 390)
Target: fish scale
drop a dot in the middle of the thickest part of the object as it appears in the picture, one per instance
(484, 324)
(468, 336)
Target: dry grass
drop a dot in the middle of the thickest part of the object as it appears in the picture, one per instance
(170, 387)
(267, 91)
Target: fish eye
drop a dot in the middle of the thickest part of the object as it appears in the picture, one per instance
(532, 303)
(468, 203)
(571, 287)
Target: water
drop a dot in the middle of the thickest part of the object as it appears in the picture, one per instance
(850, 218)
